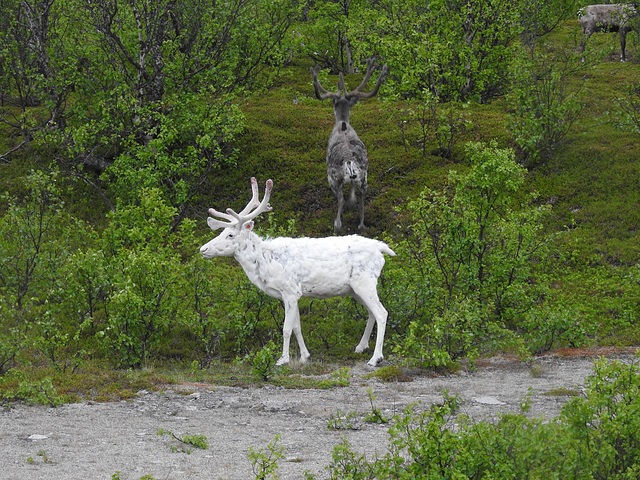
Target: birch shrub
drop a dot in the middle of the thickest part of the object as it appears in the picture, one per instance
(475, 261)
(37, 235)
(594, 437)
(130, 289)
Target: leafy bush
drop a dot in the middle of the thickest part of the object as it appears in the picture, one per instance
(143, 270)
(606, 421)
(264, 461)
(264, 361)
(476, 253)
(546, 327)
(141, 306)
(545, 104)
(16, 386)
(594, 437)
(37, 235)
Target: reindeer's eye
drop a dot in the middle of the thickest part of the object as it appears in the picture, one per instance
(231, 235)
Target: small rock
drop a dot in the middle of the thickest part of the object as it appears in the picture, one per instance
(488, 401)
(35, 436)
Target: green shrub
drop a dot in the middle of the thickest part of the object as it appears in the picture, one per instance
(545, 103)
(16, 386)
(264, 461)
(606, 421)
(594, 437)
(476, 253)
(263, 362)
(37, 236)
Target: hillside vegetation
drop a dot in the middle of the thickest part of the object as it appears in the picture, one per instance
(510, 193)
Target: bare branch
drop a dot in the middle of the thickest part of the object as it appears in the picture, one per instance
(96, 188)
(5, 155)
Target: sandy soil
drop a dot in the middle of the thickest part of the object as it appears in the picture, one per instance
(96, 440)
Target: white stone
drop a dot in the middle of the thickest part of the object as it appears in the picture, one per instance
(488, 401)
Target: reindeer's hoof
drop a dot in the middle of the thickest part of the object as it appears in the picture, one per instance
(305, 358)
(282, 361)
(375, 361)
(361, 348)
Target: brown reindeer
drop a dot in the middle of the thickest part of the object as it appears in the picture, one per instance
(614, 17)
(347, 161)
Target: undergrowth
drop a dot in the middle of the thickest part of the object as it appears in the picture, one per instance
(594, 437)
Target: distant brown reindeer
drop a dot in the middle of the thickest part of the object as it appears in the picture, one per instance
(608, 17)
(347, 161)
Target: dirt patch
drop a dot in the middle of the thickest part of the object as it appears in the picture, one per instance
(96, 440)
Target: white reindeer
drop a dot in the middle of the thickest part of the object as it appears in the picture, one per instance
(608, 17)
(347, 161)
(291, 268)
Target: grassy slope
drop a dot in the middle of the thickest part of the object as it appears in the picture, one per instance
(595, 174)
(286, 140)
(592, 180)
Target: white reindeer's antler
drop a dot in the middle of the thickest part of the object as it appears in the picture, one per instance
(246, 214)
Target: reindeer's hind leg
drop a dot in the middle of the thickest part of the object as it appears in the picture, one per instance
(367, 295)
(364, 341)
(623, 43)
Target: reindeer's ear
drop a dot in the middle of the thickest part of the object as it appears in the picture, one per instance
(248, 225)
(215, 224)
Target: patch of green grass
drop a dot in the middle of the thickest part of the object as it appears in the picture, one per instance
(313, 375)
(388, 373)
(94, 382)
(186, 441)
(562, 392)
(97, 383)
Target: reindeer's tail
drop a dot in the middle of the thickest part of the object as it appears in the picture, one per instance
(384, 248)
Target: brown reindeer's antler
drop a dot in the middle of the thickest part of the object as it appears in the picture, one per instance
(322, 93)
(358, 91)
(246, 214)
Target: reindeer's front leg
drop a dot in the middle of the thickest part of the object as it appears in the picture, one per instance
(363, 193)
(292, 324)
(623, 43)
(337, 223)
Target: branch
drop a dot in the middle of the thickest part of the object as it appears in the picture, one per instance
(4, 155)
(97, 189)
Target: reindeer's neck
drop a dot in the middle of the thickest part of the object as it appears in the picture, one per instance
(341, 110)
(250, 256)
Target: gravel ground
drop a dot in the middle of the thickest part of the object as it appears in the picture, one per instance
(104, 440)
